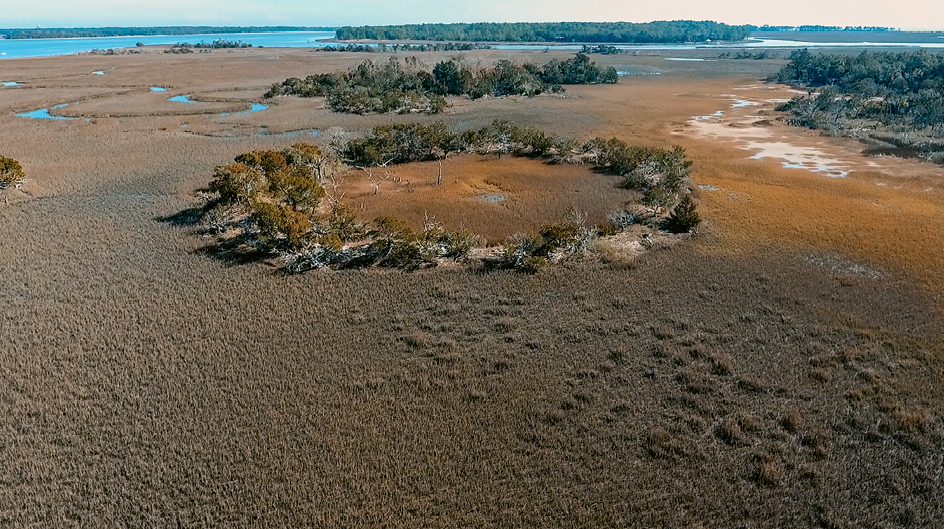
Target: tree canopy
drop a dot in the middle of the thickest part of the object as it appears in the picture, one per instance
(899, 92)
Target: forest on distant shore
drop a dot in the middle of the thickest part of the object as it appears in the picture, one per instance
(658, 32)
(63, 33)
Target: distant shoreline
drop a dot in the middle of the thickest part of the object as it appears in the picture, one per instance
(139, 31)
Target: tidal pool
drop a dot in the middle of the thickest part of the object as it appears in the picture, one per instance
(254, 107)
(717, 114)
(43, 113)
(159, 89)
(10, 83)
(185, 98)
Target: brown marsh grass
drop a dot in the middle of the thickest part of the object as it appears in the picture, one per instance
(745, 378)
(493, 197)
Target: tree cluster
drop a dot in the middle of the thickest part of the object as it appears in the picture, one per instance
(185, 47)
(277, 202)
(870, 94)
(397, 86)
(651, 32)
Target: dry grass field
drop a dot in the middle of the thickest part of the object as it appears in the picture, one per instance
(782, 369)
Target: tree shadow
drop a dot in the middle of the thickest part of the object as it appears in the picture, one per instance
(240, 249)
(185, 217)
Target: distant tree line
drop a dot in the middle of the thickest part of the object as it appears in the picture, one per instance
(651, 32)
(881, 96)
(414, 48)
(61, 33)
(395, 86)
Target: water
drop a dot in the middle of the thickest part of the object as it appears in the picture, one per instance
(185, 98)
(493, 199)
(717, 114)
(159, 89)
(43, 113)
(99, 72)
(10, 49)
(254, 107)
(690, 59)
(741, 103)
(10, 83)
(15, 48)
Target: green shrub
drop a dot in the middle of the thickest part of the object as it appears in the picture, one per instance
(685, 216)
(11, 173)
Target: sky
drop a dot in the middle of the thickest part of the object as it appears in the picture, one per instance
(904, 14)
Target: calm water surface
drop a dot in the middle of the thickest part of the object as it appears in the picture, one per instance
(10, 49)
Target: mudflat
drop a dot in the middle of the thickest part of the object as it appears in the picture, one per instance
(781, 368)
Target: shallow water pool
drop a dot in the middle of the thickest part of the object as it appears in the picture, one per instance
(254, 107)
(43, 113)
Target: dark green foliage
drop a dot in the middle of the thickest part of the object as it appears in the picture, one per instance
(578, 70)
(394, 87)
(870, 73)
(659, 31)
(891, 88)
(685, 216)
(11, 173)
(400, 143)
(890, 94)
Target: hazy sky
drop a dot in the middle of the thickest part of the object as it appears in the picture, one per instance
(905, 14)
